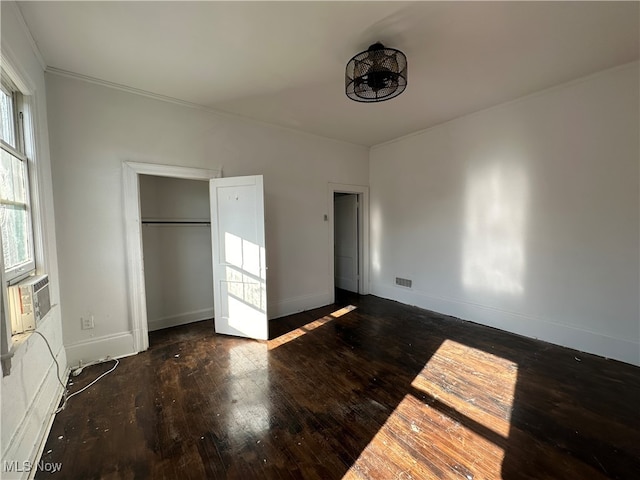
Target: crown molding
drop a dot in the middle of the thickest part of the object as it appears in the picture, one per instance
(27, 32)
(184, 103)
(118, 86)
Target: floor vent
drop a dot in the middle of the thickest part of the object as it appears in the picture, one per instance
(403, 282)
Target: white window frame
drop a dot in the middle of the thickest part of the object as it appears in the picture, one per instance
(9, 343)
(24, 151)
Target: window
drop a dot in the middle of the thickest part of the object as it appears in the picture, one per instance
(15, 206)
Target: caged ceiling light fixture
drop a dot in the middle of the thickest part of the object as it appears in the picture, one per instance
(377, 74)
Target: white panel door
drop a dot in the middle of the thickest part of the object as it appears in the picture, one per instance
(345, 214)
(239, 270)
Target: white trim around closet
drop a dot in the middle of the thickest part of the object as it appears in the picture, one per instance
(133, 237)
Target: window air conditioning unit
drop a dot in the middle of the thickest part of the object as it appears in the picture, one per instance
(29, 302)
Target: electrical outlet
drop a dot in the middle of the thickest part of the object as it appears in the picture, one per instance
(87, 322)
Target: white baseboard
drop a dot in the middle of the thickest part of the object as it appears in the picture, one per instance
(564, 335)
(27, 444)
(115, 346)
(121, 344)
(181, 319)
(298, 304)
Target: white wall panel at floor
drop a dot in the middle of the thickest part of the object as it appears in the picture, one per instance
(29, 395)
(524, 216)
(93, 129)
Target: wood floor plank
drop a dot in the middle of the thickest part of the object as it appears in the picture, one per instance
(383, 391)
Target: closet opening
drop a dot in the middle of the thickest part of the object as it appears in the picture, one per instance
(236, 255)
(177, 250)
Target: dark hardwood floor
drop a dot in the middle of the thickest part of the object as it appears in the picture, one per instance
(385, 391)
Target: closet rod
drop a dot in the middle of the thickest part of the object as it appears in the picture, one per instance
(175, 222)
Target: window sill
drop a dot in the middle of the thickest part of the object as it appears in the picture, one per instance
(19, 341)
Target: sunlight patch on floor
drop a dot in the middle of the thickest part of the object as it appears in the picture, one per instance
(475, 383)
(441, 446)
(299, 332)
(343, 311)
(459, 404)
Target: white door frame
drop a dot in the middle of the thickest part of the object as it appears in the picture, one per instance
(133, 237)
(363, 242)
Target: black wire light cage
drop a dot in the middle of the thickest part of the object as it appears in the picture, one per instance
(377, 74)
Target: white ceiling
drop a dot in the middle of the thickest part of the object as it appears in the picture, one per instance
(283, 62)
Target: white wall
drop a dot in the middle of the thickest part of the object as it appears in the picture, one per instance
(177, 258)
(31, 392)
(524, 216)
(93, 129)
